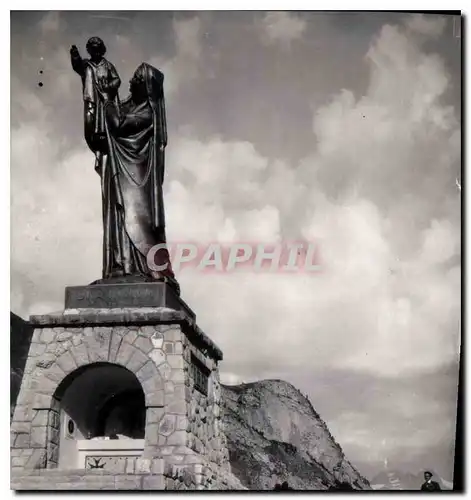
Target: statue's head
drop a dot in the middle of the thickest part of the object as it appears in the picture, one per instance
(147, 82)
(137, 85)
(428, 475)
(96, 47)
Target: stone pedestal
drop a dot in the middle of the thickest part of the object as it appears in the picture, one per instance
(176, 365)
(125, 295)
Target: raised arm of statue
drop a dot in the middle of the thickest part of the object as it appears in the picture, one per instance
(76, 61)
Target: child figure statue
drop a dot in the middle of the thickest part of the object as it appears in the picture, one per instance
(99, 78)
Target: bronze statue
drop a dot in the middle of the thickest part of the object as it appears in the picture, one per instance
(131, 167)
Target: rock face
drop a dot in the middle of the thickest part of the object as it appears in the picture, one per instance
(20, 340)
(275, 435)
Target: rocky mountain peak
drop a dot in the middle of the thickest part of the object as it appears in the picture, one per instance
(275, 435)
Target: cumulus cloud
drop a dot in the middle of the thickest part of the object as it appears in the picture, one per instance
(376, 191)
(377, 297)
(432, 26)
(51, 23)
(282, 28)
(184, 65)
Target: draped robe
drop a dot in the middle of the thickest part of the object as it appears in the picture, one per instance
(133, 210)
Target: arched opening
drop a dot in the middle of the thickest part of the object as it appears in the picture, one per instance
(103, 400)
(102, 412)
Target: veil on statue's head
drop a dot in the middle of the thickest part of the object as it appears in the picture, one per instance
(154, 80)
(154, 83)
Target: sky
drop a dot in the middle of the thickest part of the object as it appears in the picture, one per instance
(344, 129)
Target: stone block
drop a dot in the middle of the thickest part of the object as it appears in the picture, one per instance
(63, 336)
(165, 370)
(80, 354)
(169, 387)
(175, 361)
(178, 348)
(131, 336)
(173, 334)
(19, 461)
(157, 356)
(37, 460)
(177, 406)
(46, 361)
(182, 423)
(176, 459)
(55, 373)
(167, 425)
(156, 398)
(124, 353)
(37, 349)
(143, 344)
(76, 339)
(120, 331)
(165, 451)
(20, 427)
(42, 401)
(22, 440)
(47, 335)
(177, 438)
(143, 465)
(66, 362)
(154, 415)
(41, 417)
(157, 340)
(115, 342)
(178, 376)
(147, 330)
(130, 465)
(152, 435)
(193, 459)
(46, 385)
(88, 332)
(38, 437)
(146, 372)
(102, 335)
(153, 384)
(128, 483)
(158, 466)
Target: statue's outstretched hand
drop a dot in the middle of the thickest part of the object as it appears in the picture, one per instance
(74, 51)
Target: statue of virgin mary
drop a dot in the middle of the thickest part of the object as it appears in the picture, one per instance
(131, 182)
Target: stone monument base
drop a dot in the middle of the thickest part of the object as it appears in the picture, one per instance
(116, 295)
(150, 475)
(81, 359)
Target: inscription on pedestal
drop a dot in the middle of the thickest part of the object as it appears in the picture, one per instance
(122, 295)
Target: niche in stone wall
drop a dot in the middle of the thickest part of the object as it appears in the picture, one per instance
(103, 399)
